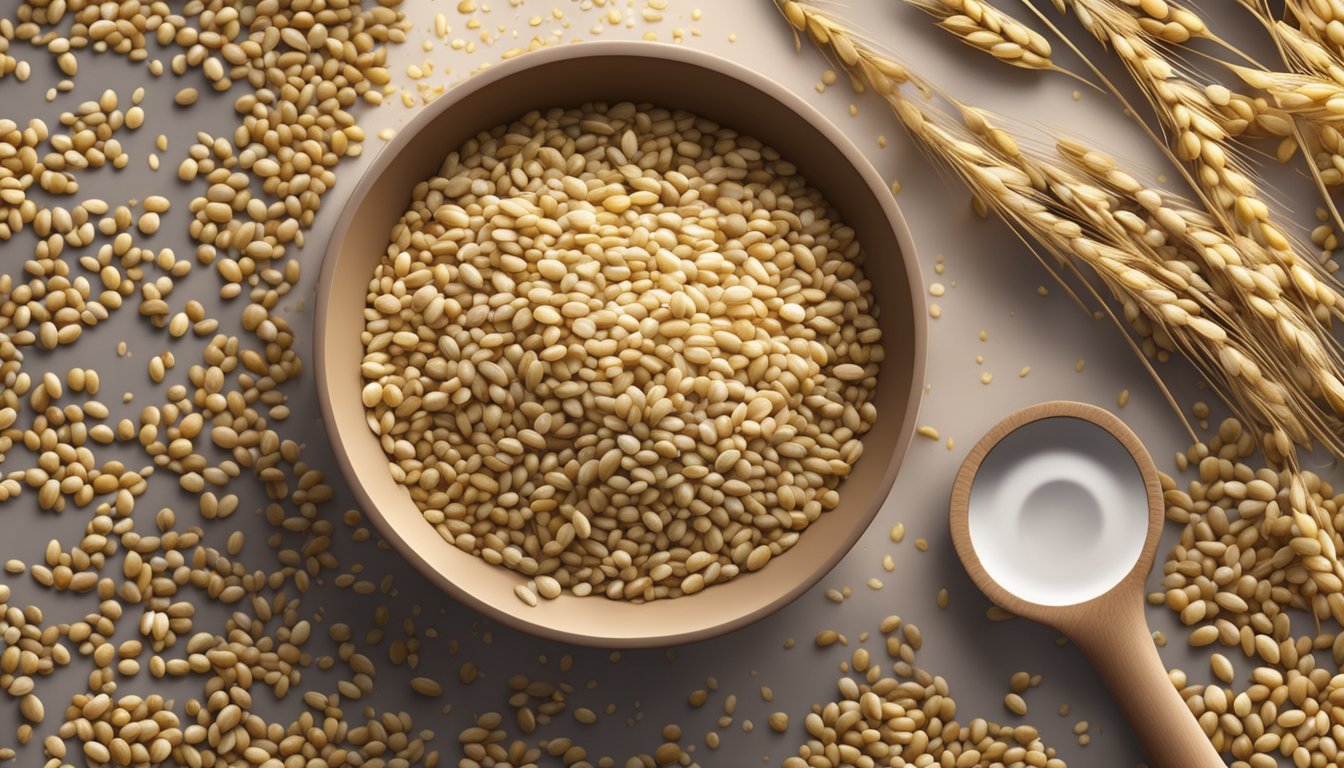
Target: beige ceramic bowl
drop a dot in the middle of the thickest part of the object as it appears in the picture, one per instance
(667, 76)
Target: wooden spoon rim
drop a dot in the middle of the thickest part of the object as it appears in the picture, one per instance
(1061, 617)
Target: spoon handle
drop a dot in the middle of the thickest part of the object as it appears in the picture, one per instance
(1120, 646)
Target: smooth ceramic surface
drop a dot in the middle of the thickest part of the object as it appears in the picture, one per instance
(1057, 511)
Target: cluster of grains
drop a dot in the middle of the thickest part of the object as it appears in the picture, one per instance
(129, 730)
(906, 718)
(1322, 22)
(265, 181)
(1202, 117)
(52, 306)
(535, 702)
(143, 732)
(620, 350)
(8, 64)
(988, 29)
(489, 740)
(305, 73)
(160, 578)
(303, 64)
(486, 743)
(1309, 93)
(63, 431)
(89, 143)
(1242, 574)
(1168, 20)
(307, 67)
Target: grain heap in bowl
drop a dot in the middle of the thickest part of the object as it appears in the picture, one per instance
(621, 350)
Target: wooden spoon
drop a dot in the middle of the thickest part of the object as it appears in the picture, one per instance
(1059, 455)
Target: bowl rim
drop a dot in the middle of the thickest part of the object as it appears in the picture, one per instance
(639, 49)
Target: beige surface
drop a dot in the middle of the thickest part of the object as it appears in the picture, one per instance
(991, 282)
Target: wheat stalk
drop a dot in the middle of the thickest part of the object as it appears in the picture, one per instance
(1262, 264)
(1201, 117)
(1149, 249)
(1166, 20)
(1312, 50)
(1314, 82)
(1230, 190)
(1172, 232)
(1322, 20)
(1302, 366)
(1113, 24)
(1317, 69)
(990, 30)
(1321, 105)
(1312, 92)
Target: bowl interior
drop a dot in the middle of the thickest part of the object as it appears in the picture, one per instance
(670, 77)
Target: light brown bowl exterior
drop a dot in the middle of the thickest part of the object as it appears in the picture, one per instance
(672, 77)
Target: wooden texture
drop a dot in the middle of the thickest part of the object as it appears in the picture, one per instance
(1110, 628)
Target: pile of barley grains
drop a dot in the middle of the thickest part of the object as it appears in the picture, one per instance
(300, 66)
(1245, 576)
(906, 716)
(620, 350)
